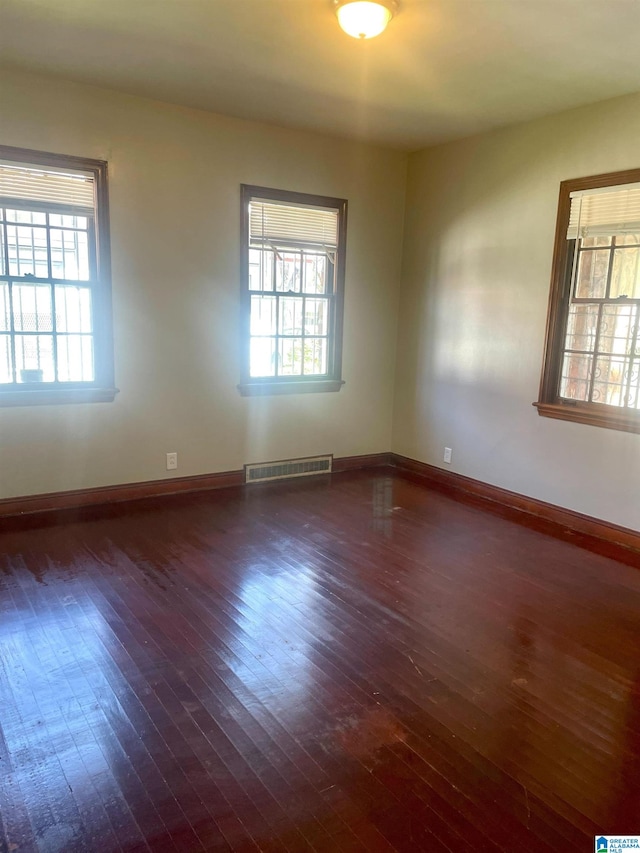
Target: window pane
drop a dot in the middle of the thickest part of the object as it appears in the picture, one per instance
(57, 220)
(260, 269)
(582, 325)
(263, 315)
(34, 358)
(315, 355)
(616, 329)
(3, 270)
(5, 308)
(628, 240)
(290, 356)
(576, 373)
(32, 308)
(624, 278)
(591, 281)
(290, 316)
(316, 313)
(69, 255)
(73, 309)
(634, 387)
(610, 381)
(267, 270)
(6, 366)
(75, 358)
(262, 357)
(255, 264)
(288, 271)
(315, 270)
(27, 251)
(28, 217)
(591, 242)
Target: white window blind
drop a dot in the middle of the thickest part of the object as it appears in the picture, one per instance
(39, 186)
(605, 211)
(278, 222)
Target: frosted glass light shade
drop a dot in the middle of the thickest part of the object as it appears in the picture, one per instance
(364, 19)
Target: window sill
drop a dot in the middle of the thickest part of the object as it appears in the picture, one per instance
(53, 396)
(609, 417)
(311, 386)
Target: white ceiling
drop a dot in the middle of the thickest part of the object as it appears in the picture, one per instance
(443, 68)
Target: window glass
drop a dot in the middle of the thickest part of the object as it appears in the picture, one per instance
(52, 283)
(592, 360)
(294, 284)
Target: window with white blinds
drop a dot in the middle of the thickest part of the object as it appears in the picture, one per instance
(591, 371)
(293, 254)
(55, 315)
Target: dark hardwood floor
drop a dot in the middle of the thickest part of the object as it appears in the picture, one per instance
(346, 664)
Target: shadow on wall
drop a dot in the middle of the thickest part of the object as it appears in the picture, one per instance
(478, 252)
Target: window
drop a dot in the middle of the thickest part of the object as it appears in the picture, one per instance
(293, 259)
(591, 371)
(55, 301)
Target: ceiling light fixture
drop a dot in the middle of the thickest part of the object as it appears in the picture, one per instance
(364, 19)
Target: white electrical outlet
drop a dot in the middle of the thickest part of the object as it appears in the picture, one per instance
(172, 461)
(447, 455)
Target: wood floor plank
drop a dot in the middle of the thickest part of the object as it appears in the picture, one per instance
(346, 663)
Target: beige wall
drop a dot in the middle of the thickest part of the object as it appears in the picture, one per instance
(480, 217)
(174, 186)
(477, 260)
